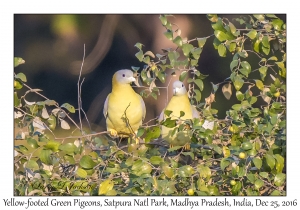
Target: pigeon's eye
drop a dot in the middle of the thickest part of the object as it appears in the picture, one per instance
(123, 75)
(182, 85)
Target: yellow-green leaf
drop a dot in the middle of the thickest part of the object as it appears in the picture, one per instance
(18, 61)
(222, 50)
(252, 34)
(81, 173)
(259, 84)
(201, 42)
(105, 187)
(226, 151)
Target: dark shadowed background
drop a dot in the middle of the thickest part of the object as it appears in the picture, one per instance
(53, 46)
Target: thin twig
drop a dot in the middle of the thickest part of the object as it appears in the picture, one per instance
(79, 90)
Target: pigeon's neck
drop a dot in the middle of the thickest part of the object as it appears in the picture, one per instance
(116, 87)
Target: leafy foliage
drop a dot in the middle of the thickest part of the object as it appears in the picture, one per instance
(243, 154)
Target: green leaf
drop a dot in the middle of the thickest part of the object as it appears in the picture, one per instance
(168, 171)
(173, 55)
(199, 83)
(181, 114)
(279, 179)
(259, 17)
(244, 72)
(256, 45)
(17, 85)
(221, 36)
(266, 45)
(222, 50)
(168, 113)
(138, 45)
(252, 34)
(182, 76)
(50, 102)
(169, 34)
(271, 16)
(45, 156)
(140, 55)
(270, 160)
(237, 107)
(201, 42)
(86, 162)
(279, 163)
(140, 132)
(69, 159)
(259, 84)
(239, 95)
(258, 184)
(81, 173)
(218, 25)
(32, 164)
(277, 23)
(146, 60)
(197, 95)
(242, 171)
(252, 99)
(161, 76)
(233, 64)
(265, 50)
(246, 66)
(251, 177)
(32, 143)
(243, 54)
(224, 163)
(257, 162)
(196, 53)
(186, 171)
(21, 76)
(204, 171)
(236, 188)
(163, 20)
(156, 160)
(178, 41)
(105, 187)
(17, 101)
(263, 72)
(18, 61)
(275, 193)
(53, 145)
(174, 148)
(212, 17)
(238, 82)
(232, 47)
(264, 175)
(232, 28)
(152, 133)
(69, 107)
(69, 148)
(186, 49)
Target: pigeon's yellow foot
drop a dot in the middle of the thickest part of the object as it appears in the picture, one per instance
(171, 145)
(187, 146)
(113, 132)
(137, 140)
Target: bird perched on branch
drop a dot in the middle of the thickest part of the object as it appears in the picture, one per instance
(124, 109)
(179, 102)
